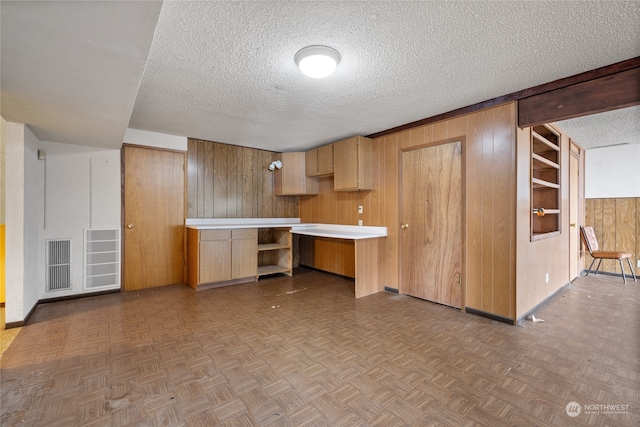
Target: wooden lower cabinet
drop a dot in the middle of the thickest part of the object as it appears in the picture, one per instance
(218, 256)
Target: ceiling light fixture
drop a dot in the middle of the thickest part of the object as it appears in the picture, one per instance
(317, 61)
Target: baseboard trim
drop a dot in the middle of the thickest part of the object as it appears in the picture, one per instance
(78, 296)
(545, 301)
(489, 315)
(22, 323)
(392, 290)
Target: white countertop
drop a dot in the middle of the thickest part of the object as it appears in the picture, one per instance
(336, 231)
(227, 223)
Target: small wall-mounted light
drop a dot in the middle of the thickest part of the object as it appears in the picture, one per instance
(276, 164)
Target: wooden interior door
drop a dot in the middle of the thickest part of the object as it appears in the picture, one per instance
(154, 214)
(574, 206)
(431, 218)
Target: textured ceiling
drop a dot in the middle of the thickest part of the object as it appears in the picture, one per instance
(616, 127)
(224, 71)
(71, 70)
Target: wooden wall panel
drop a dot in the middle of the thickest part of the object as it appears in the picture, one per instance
(542, 266)
(226, 181)
(616, 223)
(489, 200)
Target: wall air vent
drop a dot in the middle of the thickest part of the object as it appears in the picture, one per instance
(58, 272)
(102, 258)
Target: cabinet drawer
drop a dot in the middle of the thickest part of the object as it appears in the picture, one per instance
(215, 234)
(245, 233)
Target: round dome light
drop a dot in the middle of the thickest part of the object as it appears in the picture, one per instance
(317, 61)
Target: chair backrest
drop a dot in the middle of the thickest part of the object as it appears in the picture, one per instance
(589, 237)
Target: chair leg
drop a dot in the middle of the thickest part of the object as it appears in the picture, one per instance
(589, 269)
(624, 278)
(633, 272)
(598, 267)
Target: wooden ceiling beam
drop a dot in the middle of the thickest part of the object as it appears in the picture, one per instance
(602, 94)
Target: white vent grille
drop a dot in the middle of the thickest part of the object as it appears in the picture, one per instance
(102, 258)
(58, 264)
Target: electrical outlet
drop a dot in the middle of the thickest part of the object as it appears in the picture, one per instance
(360, 209)
(639, 263)
(546, 278)
(360, 222)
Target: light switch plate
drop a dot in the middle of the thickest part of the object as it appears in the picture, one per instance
(360, 209)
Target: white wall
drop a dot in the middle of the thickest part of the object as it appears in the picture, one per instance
(22, 217)
(612, 172)
(154, 139)
(82, 192)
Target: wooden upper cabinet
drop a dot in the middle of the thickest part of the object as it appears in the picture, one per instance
(353, 164)
(319, 161)
(291, 180)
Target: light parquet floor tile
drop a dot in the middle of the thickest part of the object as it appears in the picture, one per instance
(301, 351)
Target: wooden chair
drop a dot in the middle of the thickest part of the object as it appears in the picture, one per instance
(590, 241)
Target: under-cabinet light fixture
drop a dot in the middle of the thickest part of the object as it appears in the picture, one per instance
(276, 164)
(317, 61)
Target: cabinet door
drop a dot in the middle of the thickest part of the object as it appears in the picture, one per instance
(244, 252)
(353, 164)
(291, 179)
(345, 173)
(215, 260)
(311, 162)
(325, 160)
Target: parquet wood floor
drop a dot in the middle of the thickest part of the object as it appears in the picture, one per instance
(302, 351)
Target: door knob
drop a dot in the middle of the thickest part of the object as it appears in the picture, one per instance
(404, 226)
(129, 225)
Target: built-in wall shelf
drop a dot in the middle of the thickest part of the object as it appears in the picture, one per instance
(545, 182)
(278, 252)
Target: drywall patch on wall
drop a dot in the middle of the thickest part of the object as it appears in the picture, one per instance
(155, 139)
(612, 172)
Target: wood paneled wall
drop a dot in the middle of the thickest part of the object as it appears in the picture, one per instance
(548, 256)
(490, 187)
(227, 181)
(617, 226)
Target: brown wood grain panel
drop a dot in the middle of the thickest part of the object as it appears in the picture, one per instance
(202, 167)
(230, 181)
(473, 203)
(439, 130)
(457, 127)
(249, 199)
(626, 226)
(486, 215)
(503, 212)
(607, 237)
(209, 178)
(192, 178)
(389, 149)
(595, 96)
